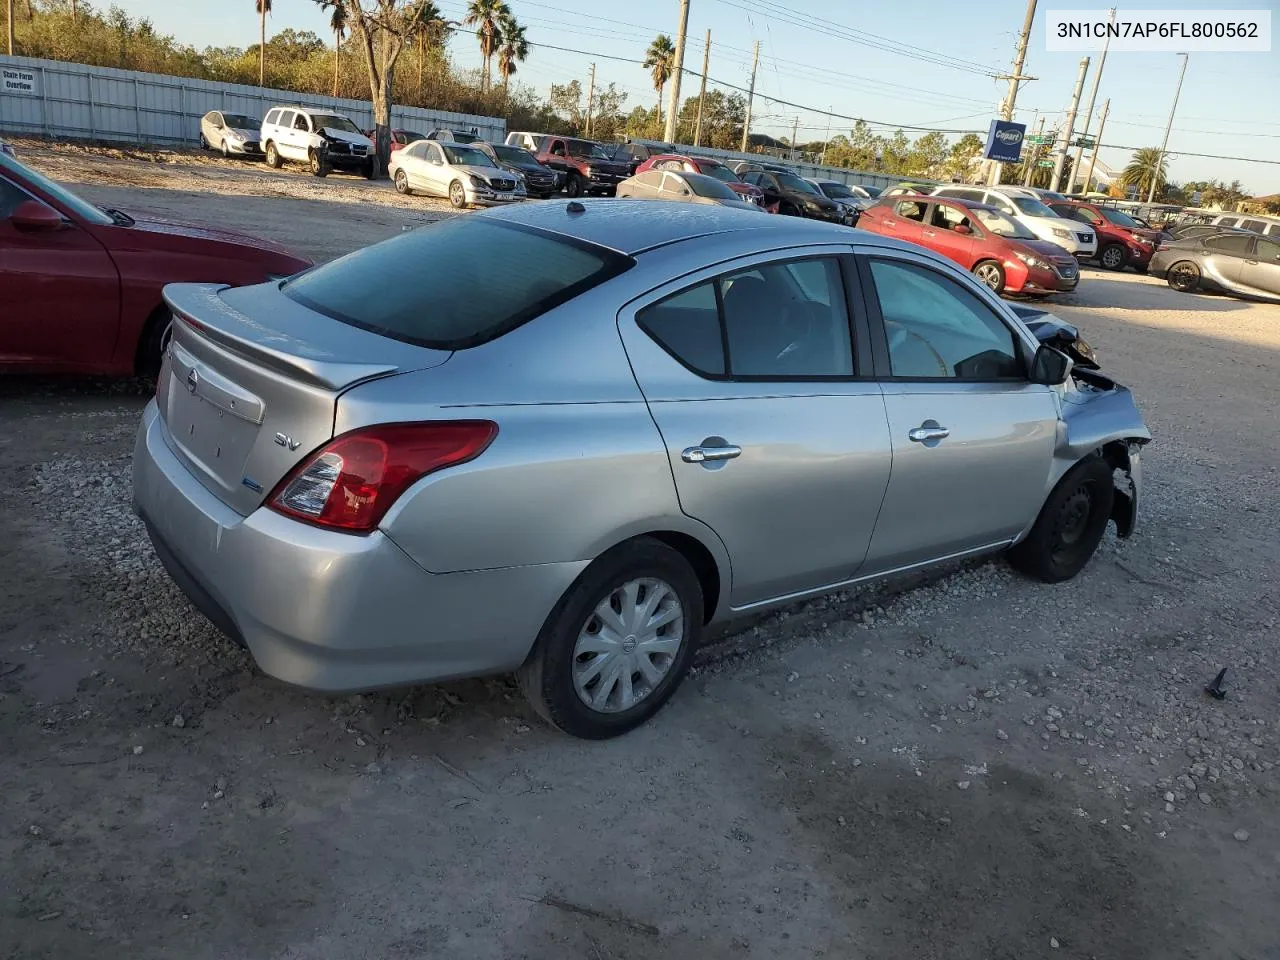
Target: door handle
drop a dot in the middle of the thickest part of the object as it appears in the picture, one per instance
(709, 454)
(926, 434)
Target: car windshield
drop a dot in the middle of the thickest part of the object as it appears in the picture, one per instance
(383, 288)
(81, 208)
(331, 121)
(1003, 226)
(238, 121)
(705, 186)
(717, 170)
(1118, 218)
(1032, 207)
(587, 149)
(514, 155)
(838, 191)
(467, 156)
(791, 181)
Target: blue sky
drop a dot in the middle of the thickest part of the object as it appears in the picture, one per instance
(1229, 102)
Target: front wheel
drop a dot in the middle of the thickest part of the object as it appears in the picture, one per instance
(1112, 257)
(575, 187)
(226, 151)
(371, 169)
(318, 167)
(990, 273)
(1070, 525)
(457, 195)
(273, 156)
(618, 644)
(1184, 276)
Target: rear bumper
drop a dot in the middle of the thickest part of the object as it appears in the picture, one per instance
(329, 611)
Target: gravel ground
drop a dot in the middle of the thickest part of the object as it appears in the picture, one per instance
(965, 765)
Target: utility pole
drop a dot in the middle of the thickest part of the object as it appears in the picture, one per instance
(822, 161)
(1093, 157)
(1088, 114)
(751, 92)
(9, 21)
(591, 96)
(1069, 125)
(673, 101)
(702, 91)
(1035, 156)
(795, 127)
(1168, 127)
(1015, 79)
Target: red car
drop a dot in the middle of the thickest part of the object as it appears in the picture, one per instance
(399, 138)
(712, 168)
(995, 248)
(1122, 241)
(80, 286)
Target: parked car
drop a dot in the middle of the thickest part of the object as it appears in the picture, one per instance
(998, 250)
(1185, 231)
(634, 153)
(455, 136)
(230, 133)
(322, 140)
(1121, 241)
(539, 180)
(794, 196)
(80, 285)
(399, 138)
(1267, 226)
(1047, 195)
(7, 148)
(852, 200)
(529, 141)
(683, 187)
(360, 531)
(1029, 210)
(712, 168)
(1237, 262)
(587, 166)
(460, 171)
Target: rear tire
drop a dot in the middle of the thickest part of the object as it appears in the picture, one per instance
(626, 578)
(402, 183)
(152, 343)
(1183, 276)
(1070, 525)
(1112, 257)
(273, 156)
(991, 274)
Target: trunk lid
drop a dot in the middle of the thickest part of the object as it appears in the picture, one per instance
(251, 379)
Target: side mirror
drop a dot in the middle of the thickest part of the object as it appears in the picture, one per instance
(963, 230)
(33, 216)
(684, 191)
(1050, 366)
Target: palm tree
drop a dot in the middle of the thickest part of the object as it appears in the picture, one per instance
(429, 28)
(660, 61)
(263, 7)
(1147, 165)
(514, 49)
(338, 24)
(487, 16)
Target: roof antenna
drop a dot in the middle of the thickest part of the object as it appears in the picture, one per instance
(575, 207)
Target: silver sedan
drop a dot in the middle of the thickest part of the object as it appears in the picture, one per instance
(590, 430)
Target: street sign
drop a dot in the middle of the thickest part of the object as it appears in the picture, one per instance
(1087, 142)
(1039, 139)
(1045, 163)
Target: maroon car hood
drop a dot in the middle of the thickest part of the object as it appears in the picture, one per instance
(197, 231)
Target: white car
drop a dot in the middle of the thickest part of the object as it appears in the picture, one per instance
(463, 173)
(230, 133)
(1028, 209)
(323, 140)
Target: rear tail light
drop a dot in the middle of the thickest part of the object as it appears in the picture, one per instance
(351, 482)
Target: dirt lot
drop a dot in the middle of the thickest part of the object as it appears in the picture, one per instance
(973, 767)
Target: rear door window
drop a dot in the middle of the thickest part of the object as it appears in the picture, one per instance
(462, 300)
(1232, 244)
(1253, 226)
(911, 210)
(273, 117)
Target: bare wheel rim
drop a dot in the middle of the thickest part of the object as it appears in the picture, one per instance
(628, 645)
(1112, 256)
(1071, 523)
(989, 274)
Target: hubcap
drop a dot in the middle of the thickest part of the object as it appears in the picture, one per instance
(628, 645)
(989, 275)
(1111, 257)
(1183, 276)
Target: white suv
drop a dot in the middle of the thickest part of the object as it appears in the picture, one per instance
(323, 140)
(1028, 209)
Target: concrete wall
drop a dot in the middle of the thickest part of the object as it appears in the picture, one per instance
(77, 102)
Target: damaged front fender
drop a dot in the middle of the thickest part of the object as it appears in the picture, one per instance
(1099, 416)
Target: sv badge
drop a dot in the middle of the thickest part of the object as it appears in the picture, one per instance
(284, 440)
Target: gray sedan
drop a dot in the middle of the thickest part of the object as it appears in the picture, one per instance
(682, 187)
(592, 429)
(1230, 261)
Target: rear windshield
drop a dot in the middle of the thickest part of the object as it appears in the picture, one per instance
(456, 283)
(705, 186)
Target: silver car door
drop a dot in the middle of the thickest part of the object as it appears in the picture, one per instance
(1260, 273)
(776, 437)
(973, 438)
(434, 170)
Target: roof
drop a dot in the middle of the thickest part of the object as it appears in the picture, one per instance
(633, 226)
